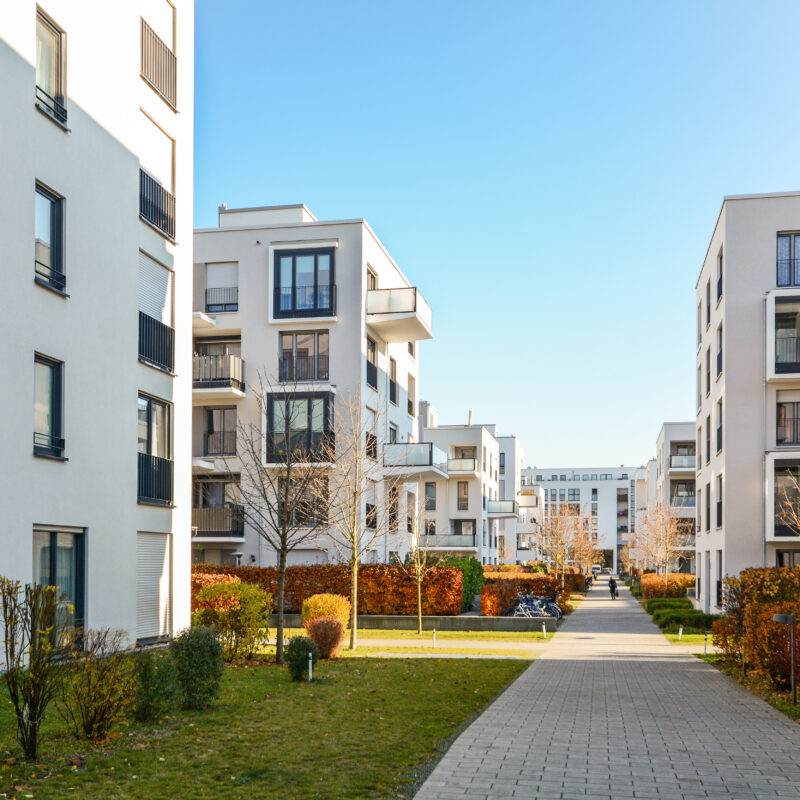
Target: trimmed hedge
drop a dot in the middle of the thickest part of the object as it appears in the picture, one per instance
(202, 579)
(382, 588)
(676, 585)
(656, 603)
(472, 576)
(689, 618)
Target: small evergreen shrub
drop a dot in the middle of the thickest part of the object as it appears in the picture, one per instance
(328, 634)
(675, 617)
(472, 573)
(197, 656)
(156, 692)
(326, 605)
(297, 656)
(656, 603)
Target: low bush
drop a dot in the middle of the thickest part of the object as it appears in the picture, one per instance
(688, 618)
(656, 603)
(98, 684)
(238, 612)
(328, 634)
(156, 691)
(326, 605)
(675, 585)
(471, 576)
(297, 652)
(197, 657)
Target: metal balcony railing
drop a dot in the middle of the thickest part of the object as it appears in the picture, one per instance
(300, 446)
(56, 279)
(159, 65)
(156, 343)
(156, 204)
(682, 462)
(223, 522)
(219, 443)
(683, 501)
(47, 444)
(787, 352)
(52, 105)
(224, 298)
(155, 479)
(502, 507)
(304, 301)
(215, 371)
(303, 368)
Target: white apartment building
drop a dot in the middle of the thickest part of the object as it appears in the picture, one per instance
(318, 309)
(512, 457)
(462, 507)
(748, 389)
(606, 493)
(96, 228)
(529, 526)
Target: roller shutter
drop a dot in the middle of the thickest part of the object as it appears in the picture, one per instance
(155, 289)
(153, 586)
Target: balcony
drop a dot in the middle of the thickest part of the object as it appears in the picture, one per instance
(155, 480)
(399, 315)
(303, 368)
(221, 299)
(156, 343)
(446, 541)
(156, 204)
(216, 378)
(219, 443)
(224, 523)
(462, 466)
(502, 509)
(682, 462)
(159, 66)
(415, 461)
(683, 501)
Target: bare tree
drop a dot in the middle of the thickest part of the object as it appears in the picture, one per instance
(584, 550)
(661, 538)
(282, 484)
(360, 504)
(562, 529)
(418, 562)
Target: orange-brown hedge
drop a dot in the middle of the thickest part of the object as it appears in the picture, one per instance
(382, 588)
(202, 579)
(498, 593)
(767, 643)
(676, 585)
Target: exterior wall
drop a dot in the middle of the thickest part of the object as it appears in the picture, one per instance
(509, 489)
(94, 164)
(250, 238)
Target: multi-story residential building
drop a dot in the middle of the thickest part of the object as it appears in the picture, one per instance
(462, 509)
(96, 225)
(310, 310)
(748, 389)
(607, 494)
(511, 458)
(529, 526)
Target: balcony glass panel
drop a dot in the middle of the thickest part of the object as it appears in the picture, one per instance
(414, 454)
(461, 465)
(406, 300)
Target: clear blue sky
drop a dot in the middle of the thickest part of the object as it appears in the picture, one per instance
(548, 174)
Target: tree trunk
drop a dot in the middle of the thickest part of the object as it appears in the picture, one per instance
(419, 601)
(353, 602)
(281, 592)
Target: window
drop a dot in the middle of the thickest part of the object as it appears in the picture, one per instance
(574, 495)
(788, 261)
(155, 465)
(788, 558)
(220, 434)
(50, 68)
(719, 501)
(392, 381)
(372, 280)
(304, 356)
(412, 394)
(502, 463)
(59, 560)
(462, 496)
(48, 257)
(483, 462)
(392, 434)
(719, 275)
(430, 496)
(411, 350)
(539, 478)
(430, 527)
(708, 371)
(222, 287)
(699, 385)
(699, 446)
(156, 335)
(304, 283)
(787, 334)
(301, 423)
(708, 506)
(393, 507)
(372, 364)
(157, 176)
(47, 407)
(787, 497)
(719, 426)
(562, 477)
(594, 493)
(708, 439)
(719, 351)
(562, 495)
(553, 495)
(371, 439)
(464, 527)
(699, 323)
(483, 494)
(708, 303)
(788, 416)
(371, 513)
(699, 510)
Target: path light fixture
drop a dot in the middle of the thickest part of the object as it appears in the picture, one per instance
(791, 621)
(310, 667)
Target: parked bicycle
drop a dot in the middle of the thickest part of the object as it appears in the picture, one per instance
(535, 606)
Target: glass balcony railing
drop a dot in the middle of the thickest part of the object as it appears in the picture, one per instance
(454, 541)
(414, 454)
(406, 300)
(461, 464)
(502, 507)
(682, 462)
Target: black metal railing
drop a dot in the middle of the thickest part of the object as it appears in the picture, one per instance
(219, 443)
(719, 287)
(788, 271)
(719, 438)
(159, 65)
(788, 431)
(719, 363)
(155, 479)
(304, 301)
(303, 368)
(209, 372)
(52, 105)
(156, 342)
(224, 298)
(47, 444)
(223, 522)
(156, 204)
(372, 375)
(50, 275)
(392, 391)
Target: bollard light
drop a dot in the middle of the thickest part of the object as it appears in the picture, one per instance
(434, 638)
(310, 667)
(680, 632)
(705, 644)
(791, 621)
(544, 629)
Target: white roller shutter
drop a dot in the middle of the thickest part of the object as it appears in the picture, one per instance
(155, 289)
(222, 275)
(153, 585)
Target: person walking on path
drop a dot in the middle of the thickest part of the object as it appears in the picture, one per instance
(612, 587)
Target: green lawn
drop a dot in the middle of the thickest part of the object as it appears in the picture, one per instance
(689, 638)
(472, 651)
(362, 729)
(427, 636)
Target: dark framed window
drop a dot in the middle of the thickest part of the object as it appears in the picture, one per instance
(719, 501)
(48, 423)
(430, 496)
(462, 496)
(220, 434)
(502, 463)
(708, 506)
(393, 508)
(154, 445)
(787, 334)
(708, 439)
(574, 495)
(372, 363)
(371, 512)
(50, 68)
(719, 426)
(788, 259)
(719, 351)
(787, 497)
(392, 381)
(719, 275)
(304, 356)
(59, 559)
(708, 303)
(48, 263)
(788, 427)
(302, 423)
(304, 283)
(392, 434)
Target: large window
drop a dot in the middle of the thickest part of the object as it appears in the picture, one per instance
(393, 381)
(788, 429)
(300, 423)
(48, 239)
(787, 498)
(156, 334)
(304, 283)
(304, 356)
(220, 434)
(48, 436)
(155, 464)
(787, 334)
(59, 560)
(50, 68)
(462, 496)
(430, 496)
(788, 259)
(372, 363)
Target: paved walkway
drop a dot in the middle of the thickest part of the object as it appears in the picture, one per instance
(612, 710)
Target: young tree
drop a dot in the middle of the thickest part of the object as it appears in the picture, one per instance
(360, 505)
(418, 562)
(562, 529)
(661, 538)
(584, 545)
(282, 484)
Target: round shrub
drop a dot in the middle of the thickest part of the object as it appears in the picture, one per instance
(328, 634)
(156, 689)
(238, 612)
(297, 656)
(196, 654)
(326, 605)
